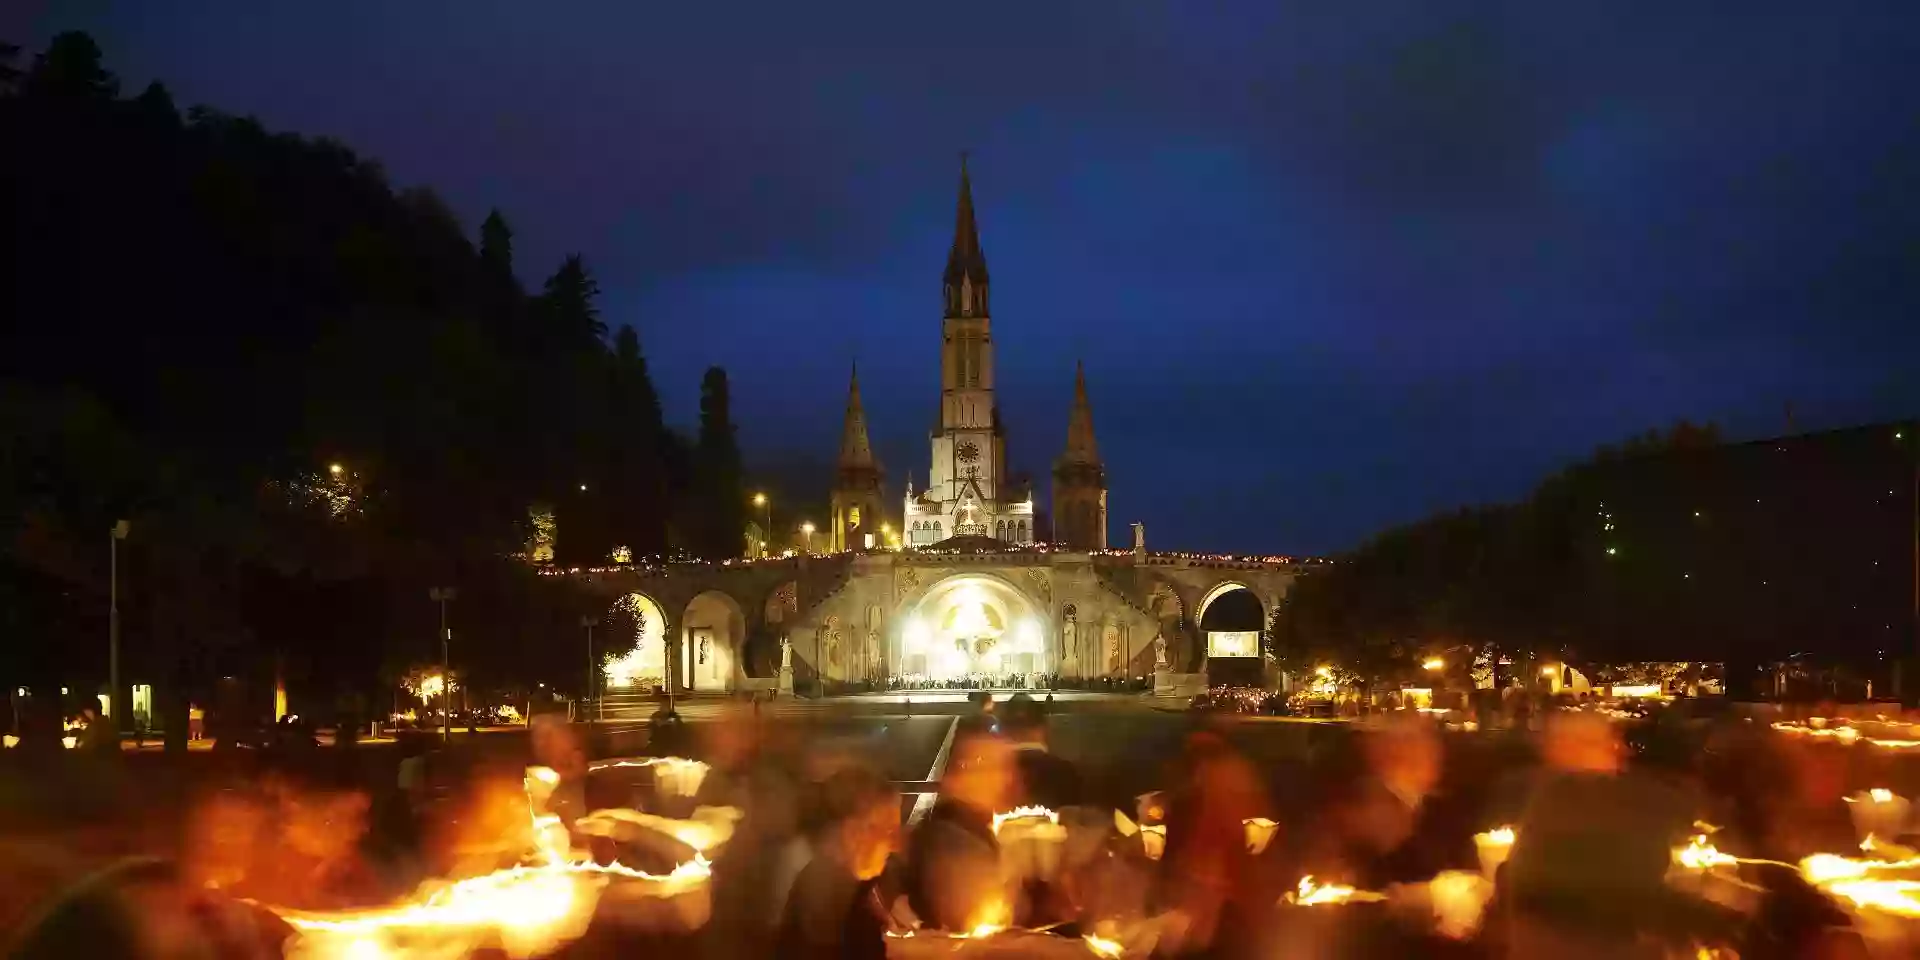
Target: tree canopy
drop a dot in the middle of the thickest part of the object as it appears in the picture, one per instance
(312, 393)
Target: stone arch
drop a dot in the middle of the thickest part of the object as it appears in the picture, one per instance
(1221, 589)
(712, 635)
(973, 622)
(777, 614)
(1169, 613)
(633, 642)
(1232, 621)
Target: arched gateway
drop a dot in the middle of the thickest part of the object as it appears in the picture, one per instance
(863, 621)
(971, 625)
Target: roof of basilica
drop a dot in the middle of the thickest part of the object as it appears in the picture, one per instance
(969, 544)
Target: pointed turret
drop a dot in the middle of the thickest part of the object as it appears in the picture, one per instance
(858, 520)
(1080, 445)
(1079, 480)
(965, 281)
(856, 451)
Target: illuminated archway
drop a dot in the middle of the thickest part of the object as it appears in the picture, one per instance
(1232, 619)
(711, 629)
(971, 625)
(1220, 590)
(633, 651)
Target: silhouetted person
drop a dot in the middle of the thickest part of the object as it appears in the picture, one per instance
(1206, 872)
(953, 858)
(1586, 877)
(1040, 777)
(834, 908)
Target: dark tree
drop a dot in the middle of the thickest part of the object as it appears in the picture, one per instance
(567, 301)
(717, 467)
(496, 247)
(635, 469)
(71, 68)
(264, 306)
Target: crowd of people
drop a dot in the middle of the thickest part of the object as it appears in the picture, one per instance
(826, 861)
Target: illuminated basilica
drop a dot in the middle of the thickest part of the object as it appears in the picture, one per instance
(961, 579)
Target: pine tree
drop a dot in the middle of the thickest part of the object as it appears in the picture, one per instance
(572, 318)
(721, 488)
(496, 246)
(70, 68)
(636, 471)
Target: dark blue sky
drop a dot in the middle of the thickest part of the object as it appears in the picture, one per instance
(1331, 265)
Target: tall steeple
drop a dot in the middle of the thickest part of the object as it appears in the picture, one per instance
(856, 451)
(965, 281)
(1080, 445)
(858, 523)
(1079, 479)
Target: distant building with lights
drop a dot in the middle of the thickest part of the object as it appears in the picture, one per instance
(1801, 546)
(968, 587)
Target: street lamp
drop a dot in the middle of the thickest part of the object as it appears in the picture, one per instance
(441, 596)
(766, 519)
(114, 713)
(806, 530)
(1434, 663)
(590, 622)
(335, 469)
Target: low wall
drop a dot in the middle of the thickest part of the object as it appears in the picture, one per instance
(1180, 685)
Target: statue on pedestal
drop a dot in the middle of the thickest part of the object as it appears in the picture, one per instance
(1160, 651)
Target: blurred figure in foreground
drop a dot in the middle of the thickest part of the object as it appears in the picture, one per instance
(555, 745)
(834, 909)
(142, 910)
(1042, 778)
(1586, 877)
(1207, 872)
(1383, 826)
(953, 858)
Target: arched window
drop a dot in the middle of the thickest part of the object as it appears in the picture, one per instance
(1023, 532)
(936, 526)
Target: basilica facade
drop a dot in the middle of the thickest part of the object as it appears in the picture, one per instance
(945, 583)
(969, 490)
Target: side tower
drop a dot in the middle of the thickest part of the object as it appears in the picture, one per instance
(857, 515)
(1079, 479)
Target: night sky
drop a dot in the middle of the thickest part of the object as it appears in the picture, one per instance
(1331, 265)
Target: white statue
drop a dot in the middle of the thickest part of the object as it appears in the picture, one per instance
(786, 655)
(1069, 648)
(1160, 650)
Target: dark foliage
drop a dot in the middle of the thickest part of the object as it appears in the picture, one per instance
(1672, 547)
(202, 316)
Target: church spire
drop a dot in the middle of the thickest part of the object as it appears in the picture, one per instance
(855, 449)
(966, 262)
(1080, 445)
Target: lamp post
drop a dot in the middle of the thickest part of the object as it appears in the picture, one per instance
(806, 531)
(114, 711)
(442, 595)
(668, 646)
(590, 622)
(766, 520)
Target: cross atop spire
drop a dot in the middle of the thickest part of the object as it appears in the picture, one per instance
(1080, 445)
(855, 449)
(966, 260)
